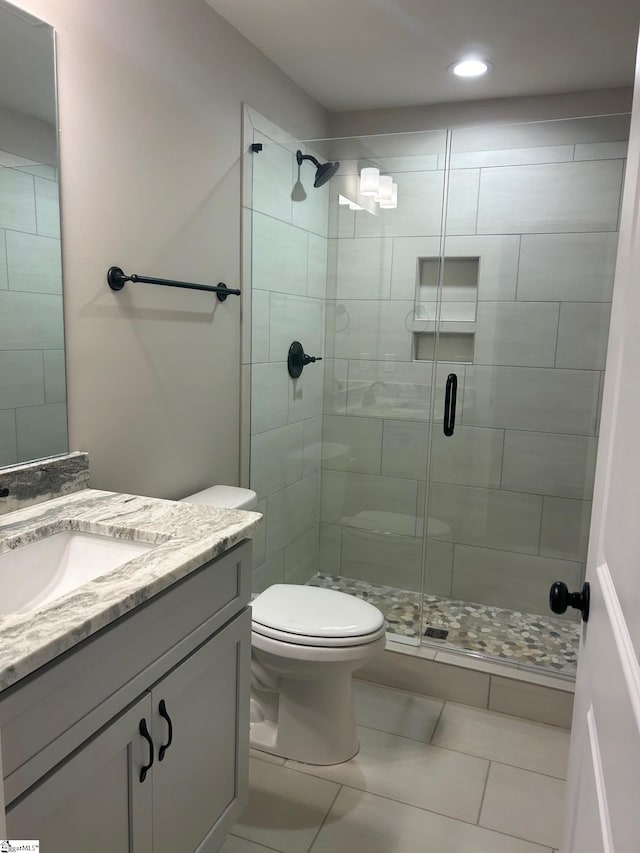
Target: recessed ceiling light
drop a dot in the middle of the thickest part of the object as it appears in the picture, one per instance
(470, 67)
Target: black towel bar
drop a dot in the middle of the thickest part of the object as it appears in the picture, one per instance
(117, 280)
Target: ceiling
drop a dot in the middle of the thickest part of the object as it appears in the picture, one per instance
(361, 54)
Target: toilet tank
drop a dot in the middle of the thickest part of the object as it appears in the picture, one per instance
(229, 497)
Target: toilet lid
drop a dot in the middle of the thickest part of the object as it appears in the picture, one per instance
(311, 611)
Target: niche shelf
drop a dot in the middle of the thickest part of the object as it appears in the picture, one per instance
(457, 309)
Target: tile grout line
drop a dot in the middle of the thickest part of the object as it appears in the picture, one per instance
(324, 820)
(266, 846)
(484, 792)
(435, 728)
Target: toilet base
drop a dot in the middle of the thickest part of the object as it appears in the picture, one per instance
(315, 725)
(306, 714)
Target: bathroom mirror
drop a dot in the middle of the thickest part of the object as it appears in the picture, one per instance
(33, 416)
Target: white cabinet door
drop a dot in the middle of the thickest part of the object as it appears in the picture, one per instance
(603, 788)
(199, 786)
(95, 800)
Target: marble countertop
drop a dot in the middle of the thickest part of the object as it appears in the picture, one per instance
(186, 535)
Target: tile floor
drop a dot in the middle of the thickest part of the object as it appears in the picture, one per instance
(546, 642)
(430, 775)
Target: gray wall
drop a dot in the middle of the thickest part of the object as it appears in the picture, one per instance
(499, 111)
(150, 97)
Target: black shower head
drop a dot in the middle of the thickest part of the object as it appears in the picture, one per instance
(324, 171)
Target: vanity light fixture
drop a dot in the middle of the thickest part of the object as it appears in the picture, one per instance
(385, 190)
(369, 180)
(393, 202)
(470, 67)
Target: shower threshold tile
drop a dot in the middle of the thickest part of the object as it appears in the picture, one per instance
(520, 639)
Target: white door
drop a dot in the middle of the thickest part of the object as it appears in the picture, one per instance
(603, 789)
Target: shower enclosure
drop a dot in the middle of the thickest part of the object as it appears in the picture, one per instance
(487, 289)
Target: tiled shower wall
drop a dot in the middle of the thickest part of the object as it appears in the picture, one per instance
(509, 498)
(33, 421)
(288, 218)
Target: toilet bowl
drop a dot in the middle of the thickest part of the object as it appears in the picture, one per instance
(306, 642)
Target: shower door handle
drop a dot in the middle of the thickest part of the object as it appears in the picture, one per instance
(450, 394)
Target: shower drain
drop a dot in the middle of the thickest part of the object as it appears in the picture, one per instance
(436, 633)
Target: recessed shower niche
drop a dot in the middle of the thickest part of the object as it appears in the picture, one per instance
(458, 306)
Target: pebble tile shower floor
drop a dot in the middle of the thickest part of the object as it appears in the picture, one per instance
(519, 638)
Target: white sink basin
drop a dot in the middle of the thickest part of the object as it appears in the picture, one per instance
(35, 574)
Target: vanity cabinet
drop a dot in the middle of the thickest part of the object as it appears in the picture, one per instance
(188, 727)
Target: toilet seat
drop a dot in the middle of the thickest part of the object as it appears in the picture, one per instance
(314, 616)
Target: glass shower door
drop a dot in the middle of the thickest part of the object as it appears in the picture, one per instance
(527, 273)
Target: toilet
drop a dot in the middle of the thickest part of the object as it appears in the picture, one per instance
(306, 642)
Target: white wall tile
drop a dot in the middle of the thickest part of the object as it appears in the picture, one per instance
(565, 528)
(260, 301)
(305, 393)
(404, 449)
(583, 334)
(4, 281)
(312, 439)
(30, 321)
(317, 267)
(471, 456)
(259, 541)
(21, 378)
(364, 268)
(512, 156)
(419, 210)
(488, 517)
(47, 208)
(279, 256)
(272, 179)
(462, 204)
(276, 458)
(335, 386)
(567, 267)
(330, 549)
(17, 201)
(302, 557)
(531, 701)
(531, 398)
(516, 333)
(291, 512)
(41, 431)
(55, 385)
(385, 504)
(352, 444)
(8, 447)
(391, 389)
(269, 396)
(551, 198)
(601, 150)
(438, 568)
(549, 464)
(33, 263)
(511, 580)
(268, 573)
(312, 212)
(404, 269)
(382, 558)
(498, 254)
(295, 318)
(373, 330)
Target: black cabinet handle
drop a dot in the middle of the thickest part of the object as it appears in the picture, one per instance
(144, 731)
(162, 710)
(560, 598)
(450, 394)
